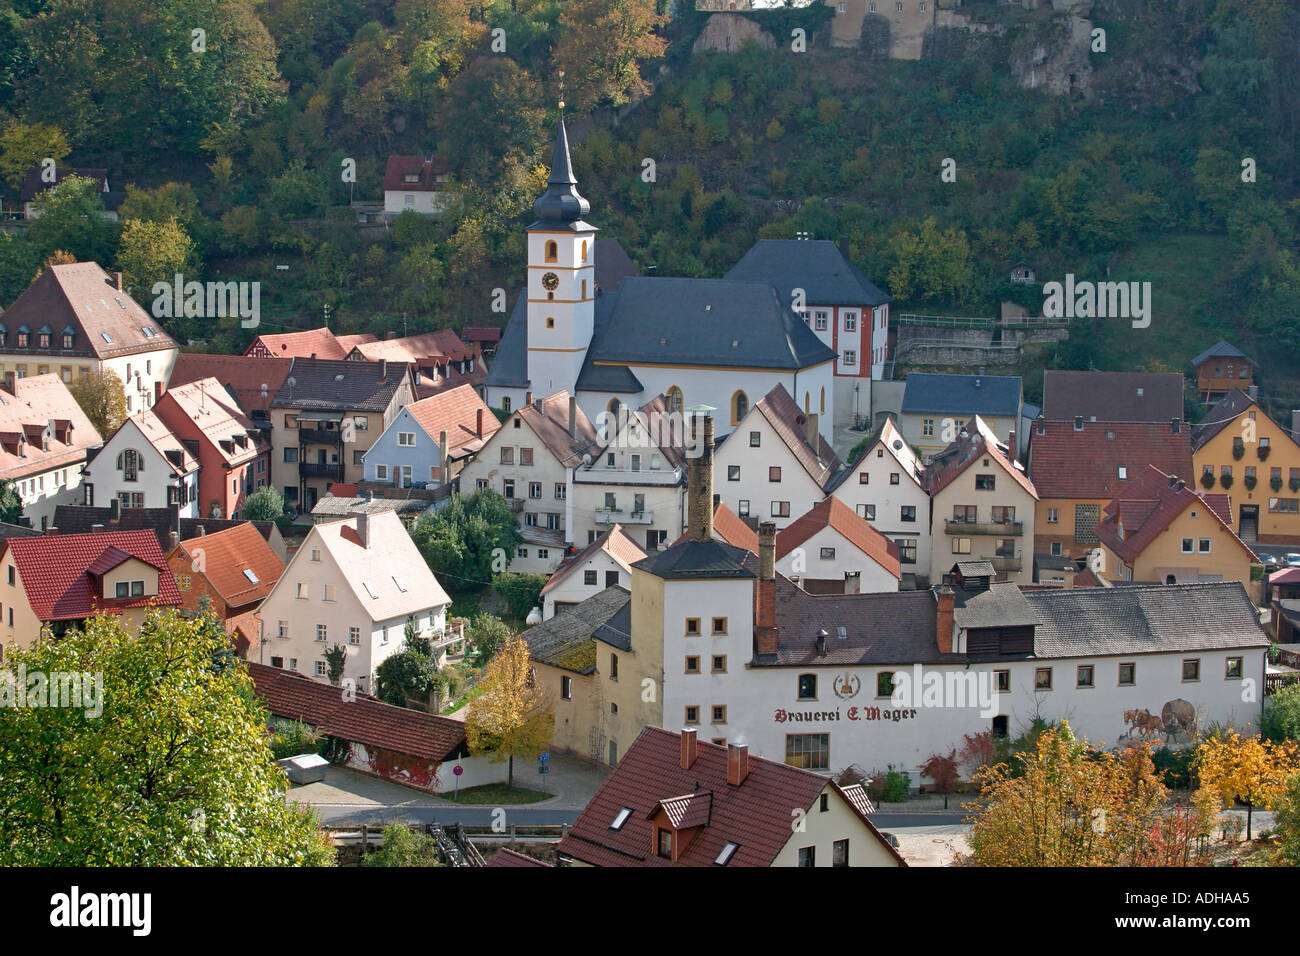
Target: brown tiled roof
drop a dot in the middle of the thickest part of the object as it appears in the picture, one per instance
(1112, 396)
(729, 527)
(34, 447)
(457, 411)
(1226, 411)
(549, 420)
(217, 415)
(979, 441)
(243, 376)
(425, 169)
(781, 412)
(227, 555)
(614, 541)
(157, 433)
(105, 322)
(442, 345)
(81, 519)
(481, 333)
(1146, 508)
(1064, 463)
(309, 343)
(365, 720)
(348, 342)
(754, 815)
(507, 857)
(835, 514)
(324, 384)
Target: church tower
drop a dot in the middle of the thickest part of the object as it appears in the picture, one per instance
(561, 279)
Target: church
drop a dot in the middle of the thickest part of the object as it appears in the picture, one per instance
(722, 343)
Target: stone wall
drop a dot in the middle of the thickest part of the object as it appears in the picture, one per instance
(725, 32)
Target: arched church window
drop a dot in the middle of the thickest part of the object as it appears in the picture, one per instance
(550, 322)
(584, 250)
(674, 396)
(552, 251)
(807, 405)
(739, 407)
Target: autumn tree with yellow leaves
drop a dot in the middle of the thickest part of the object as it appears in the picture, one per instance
(513, 716)
(1068, 804)
(1248, 769)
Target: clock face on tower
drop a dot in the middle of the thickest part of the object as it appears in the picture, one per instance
(550, 282)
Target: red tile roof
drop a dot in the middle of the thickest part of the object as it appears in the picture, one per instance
(24, 419)
(1147, 507)
(731, 528)
(615, 542)
(549, 420)
(428, 171)
(423, 349)
(57, 571)
(207, 406)
(1064, 463)
(242, 375)
(457, 410)
(481, 333)
(365, 720)
(979, 441)
(789, 423)
(309, 343)
(227, 554)
(506, 857)
(836, 515)
(649, 779)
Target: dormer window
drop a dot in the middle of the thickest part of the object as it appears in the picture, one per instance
(23, 337)
(664, 842)
(67, 340)
(44, 340)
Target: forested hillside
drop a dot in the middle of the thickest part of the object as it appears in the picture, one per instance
(234, 155)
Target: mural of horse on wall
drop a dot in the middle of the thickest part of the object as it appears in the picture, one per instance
(1177, 720)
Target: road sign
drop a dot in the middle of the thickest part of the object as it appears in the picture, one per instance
(458, 770)
(542, 758)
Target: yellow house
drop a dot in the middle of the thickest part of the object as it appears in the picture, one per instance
(1160, 530)
(58, 581)
(1242, 452)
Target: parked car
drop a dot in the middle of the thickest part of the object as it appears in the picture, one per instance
(1293, 560)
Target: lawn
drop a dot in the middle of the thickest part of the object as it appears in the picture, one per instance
(498, 794)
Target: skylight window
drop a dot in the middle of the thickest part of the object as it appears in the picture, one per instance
(400, 586)
(370, 589)
(105, 337)
(149, 331)
(725, 855)
(339, 377)
(248, 573)
(1123, 472)
(621, 818)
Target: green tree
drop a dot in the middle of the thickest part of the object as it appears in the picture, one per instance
(102, 397)
(1286, 821)
(487, 633)
(521, 592)
(72, 219)
(20, 262)
(404, 847)
(23, 148)
(411, 672)
(336, 659)
(930, 264)
(264, 504)
(150, 252)
(11, 504)
(170, 201)
(604, 45)
(166, 764)
(463, 539)
(1281, 718)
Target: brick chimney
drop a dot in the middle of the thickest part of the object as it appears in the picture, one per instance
(944, 618)
(573, 416)
(528, 398)
(737, 764)
(478, 423)
(383, 370)
(114, 509)
(688, 749)
(699, 484)
(765, 591)
(363, 529)
(810, 431)
(117, 281)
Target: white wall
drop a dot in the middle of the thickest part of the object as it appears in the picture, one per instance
(822, 828)
(153, 479)
(847, 558)
(572, 589)
(796, 485)
(475, 771)
(889, 501)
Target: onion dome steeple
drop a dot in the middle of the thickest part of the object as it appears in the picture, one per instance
(561, 206)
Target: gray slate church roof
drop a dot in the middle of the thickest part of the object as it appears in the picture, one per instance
(815, 265)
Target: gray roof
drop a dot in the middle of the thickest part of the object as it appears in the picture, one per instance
(340, 385)
(333, 506)
(960, 395)
(892, 627)
(617, 631)
(560, 641)
(510, 361)
(561, 207)
(1002, 605)
(709, 322)
(975, 569)
(1220, 416)
(1112, 396)
(1146, 619)
(815, 265)
(612, 264)
(697, 559)
(1222, 349)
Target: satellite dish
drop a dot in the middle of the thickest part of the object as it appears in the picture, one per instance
(898, 444)
(534, 617)
(586, 459)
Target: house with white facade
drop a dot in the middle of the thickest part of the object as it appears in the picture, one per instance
(75, 319)
(775, 465)
(355, 583)
(144, 465)
(605, 563)
(428, 442)
(698, 342)
(636, 478)
(531, 461)
(936, 405)
(416, 183)
(885, 485)
(45, 439)
(831, 550)
(841, 306)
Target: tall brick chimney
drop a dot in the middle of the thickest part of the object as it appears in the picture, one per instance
(444, 458)
(478, 423)
(688, 749)
(737, 764)
(765, 591)
(944, 618)
(573, 417)
(699, 484)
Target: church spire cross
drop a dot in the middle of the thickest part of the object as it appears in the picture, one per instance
(561, 203)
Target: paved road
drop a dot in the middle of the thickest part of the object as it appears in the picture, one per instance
(341, 814)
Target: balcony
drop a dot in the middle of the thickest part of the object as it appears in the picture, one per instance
(516, 504)
(320, 436)
(617, 515)
(1000, 528)
(1005, 564)
(450, 639)
(309, 469)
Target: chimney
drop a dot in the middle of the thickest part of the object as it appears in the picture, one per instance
(822, 634)
(810, 431)
(9, 383)
(173, 539)
(765, 591)
(199, 531)
(478, 423)
(363, 529)
(852, 582)
(1253, 392)
(50, 530)
(445, 457)
(528, 398)
(1173, 480)
(573, 416)
(1295, 422)
(383, 370)
(96, 528)
(1011, 443)
(1175, 425)
(117, 281)
(390, 334)
(1180, 485)
(737, 764)
(944, 618)
(699, 483)
(688, 749)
